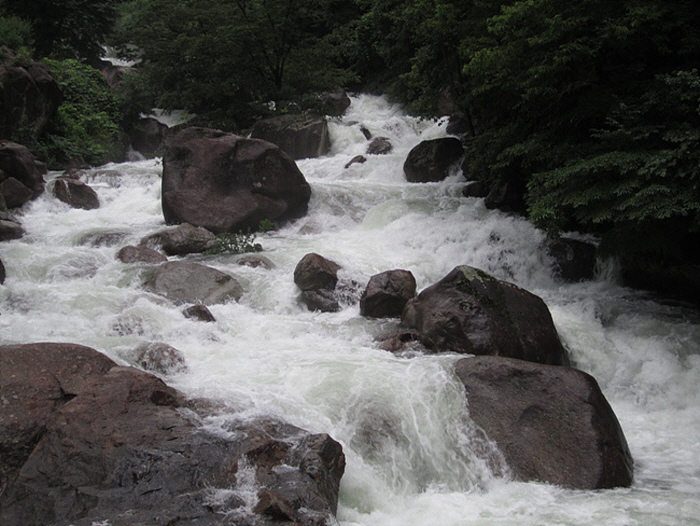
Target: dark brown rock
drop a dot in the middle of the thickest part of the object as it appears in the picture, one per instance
(387, 293)
(106, 443)
(471, 312)
(10, 227)
(321, 300)
(147, 136)
(226, 183)
(180, 240)
(357, 159)
(75, 193)
(255, 261)
(199, 312)
(131, 254)
(380, 146)
(36, 380)
(475, 189)
(21, 174)
(186, 282)
(552, 424)
(333, 103)
(314, 272)
(431, 160)
(299, 136)
(2, 273)
(29, 97)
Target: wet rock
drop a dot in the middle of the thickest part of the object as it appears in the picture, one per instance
(99, 443)
(226, 183)
(186, 282)
(460, 125)
(574, 260)
(2, 273)
(132, 254)
(103, 239)
(299, 136)
(471, 312)
(35, 381)
(199, 312)
(75, 193)
(314, 272)
(180, 240)
(21, 175)
(320, 300)
(147, 136)
(159, 358)
(552, 424)
(255, 261)
(508, 196)
(387, 293)
(29, 96)
(334, 103)
(357, 159)
(475, 189)
(380, 146)
(431, 160)
(401, 342)
(10, 227)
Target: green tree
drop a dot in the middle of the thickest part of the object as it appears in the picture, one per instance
(65, 28)
(210, 54)
(86, 128)
(591, 108)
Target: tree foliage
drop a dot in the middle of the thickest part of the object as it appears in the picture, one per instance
(86, 127)
(65, 28)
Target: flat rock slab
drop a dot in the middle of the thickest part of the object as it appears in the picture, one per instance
(552, 423)
(186, 282)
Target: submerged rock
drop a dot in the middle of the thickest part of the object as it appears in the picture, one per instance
(227, 183)
(471, 312)
(75, 193)
(186, 282)
(159, 358)
(552, 424)
(87, 442)
(132, 254)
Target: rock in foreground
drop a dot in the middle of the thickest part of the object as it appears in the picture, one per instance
(468, 311)
(227, 183)
(552, 424)
(98, 443)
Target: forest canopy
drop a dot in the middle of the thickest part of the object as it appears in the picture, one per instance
(588, 111)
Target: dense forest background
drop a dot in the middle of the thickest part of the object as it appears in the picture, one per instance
(587, 112)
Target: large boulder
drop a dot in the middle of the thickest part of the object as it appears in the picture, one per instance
(300, 136)
(471, 312)
(227, 183)
(387, 293)
(187, 282)
(552, 424)
(21, 175)
(86, 442)
(29, 97)
(431, 160)
(180, 240)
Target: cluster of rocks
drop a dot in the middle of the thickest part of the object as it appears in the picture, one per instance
(550, 420)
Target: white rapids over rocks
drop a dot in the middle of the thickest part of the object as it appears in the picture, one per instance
(413, 455)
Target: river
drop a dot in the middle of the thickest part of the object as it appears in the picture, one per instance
(402, 420)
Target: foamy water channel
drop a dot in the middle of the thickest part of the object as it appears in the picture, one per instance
(413, 455)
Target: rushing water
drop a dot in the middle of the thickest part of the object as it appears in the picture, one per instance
(413, 456)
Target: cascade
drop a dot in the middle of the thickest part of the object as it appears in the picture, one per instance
(413, 455)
